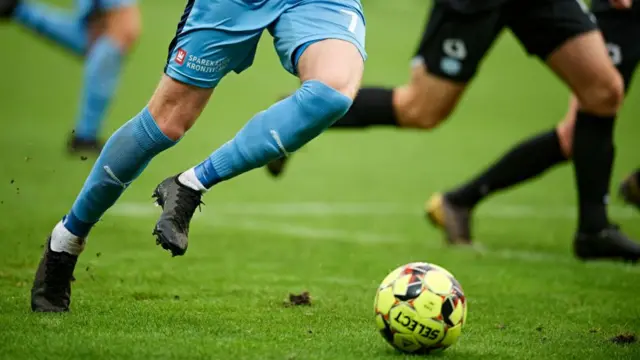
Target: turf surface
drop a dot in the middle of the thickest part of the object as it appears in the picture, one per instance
(347, 212)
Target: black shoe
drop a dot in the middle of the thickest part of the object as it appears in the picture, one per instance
(178, 203)
(77, 145)
(609, 243)
(7, 7)
(630, 191)
(51, 291)
(276, 167)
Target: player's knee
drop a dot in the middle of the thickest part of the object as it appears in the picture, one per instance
(324, 102)
(176, 106)
(344, 85)
(124, 27)
(172, 128)
(174, 119)
(605, 97)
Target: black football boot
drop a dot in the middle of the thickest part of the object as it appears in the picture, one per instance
(178, 203)
(51, 291)
(608, 244)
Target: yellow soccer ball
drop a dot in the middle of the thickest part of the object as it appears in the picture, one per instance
(420, 308)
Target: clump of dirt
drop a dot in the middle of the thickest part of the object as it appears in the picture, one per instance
(623, 339)
(299, 300)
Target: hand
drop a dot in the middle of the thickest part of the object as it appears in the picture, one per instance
(621, 4)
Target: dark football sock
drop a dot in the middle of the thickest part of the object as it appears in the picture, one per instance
(636, 176)
(525, 161)
(372, 106)
(593, 153)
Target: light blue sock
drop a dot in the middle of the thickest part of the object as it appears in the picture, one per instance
(101, 74)
(64, 27)
(125, 155)
(281, 129)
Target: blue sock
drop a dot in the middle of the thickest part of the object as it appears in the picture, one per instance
(281, 129)
(125, 155)
(101, 74)
(64, 27)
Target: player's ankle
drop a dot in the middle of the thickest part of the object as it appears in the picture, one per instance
(190, 180)
(63, 240)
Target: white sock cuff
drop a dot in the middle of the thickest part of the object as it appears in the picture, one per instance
(63, 240)
(189, 179)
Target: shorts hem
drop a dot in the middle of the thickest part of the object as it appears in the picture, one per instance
(177, 75)
(120, 5)
(544, 55)
(315, 38)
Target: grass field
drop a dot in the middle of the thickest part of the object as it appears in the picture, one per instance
(347, 212)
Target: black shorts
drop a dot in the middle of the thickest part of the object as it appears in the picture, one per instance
(454, 43)
(621, 31)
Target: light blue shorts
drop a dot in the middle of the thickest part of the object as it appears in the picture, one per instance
(218, 36)
(87, 8)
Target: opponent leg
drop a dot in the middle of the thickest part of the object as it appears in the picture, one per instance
(599, 89)
(103, 66)
(527, 160)
(329, 64)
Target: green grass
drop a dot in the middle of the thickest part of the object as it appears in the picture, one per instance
(347, 212)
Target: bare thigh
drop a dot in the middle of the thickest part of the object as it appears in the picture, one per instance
(584, 64)
(337, 63)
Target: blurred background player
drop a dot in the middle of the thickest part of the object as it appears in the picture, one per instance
(102, 32)
(322, 42)
(531, 157)
(562, 33)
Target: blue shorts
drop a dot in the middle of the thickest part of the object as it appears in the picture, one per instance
(218, 36)
(86, 8)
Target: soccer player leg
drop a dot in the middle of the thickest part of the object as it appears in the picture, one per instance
(323, 42)
(575, 50)
(201, 59)
(66, 28)
(621, 31)
(118, 32)
(174, 107)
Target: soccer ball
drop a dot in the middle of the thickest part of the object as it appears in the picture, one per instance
(420, 308)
